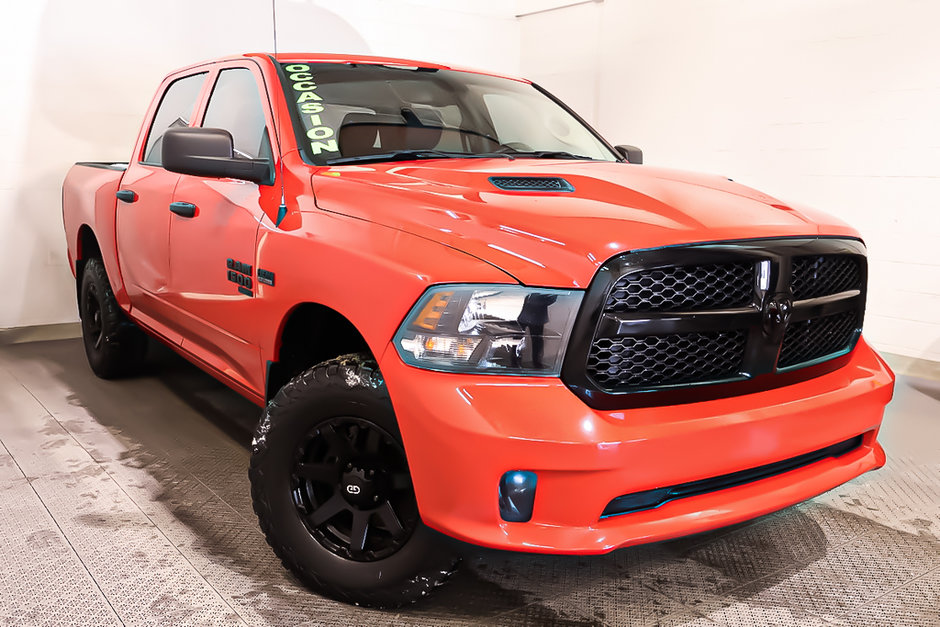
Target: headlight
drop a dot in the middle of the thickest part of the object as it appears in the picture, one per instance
(496, 329)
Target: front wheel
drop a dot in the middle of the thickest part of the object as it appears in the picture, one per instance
(332, 490)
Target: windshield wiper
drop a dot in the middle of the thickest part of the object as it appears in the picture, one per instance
(408, 155)
(549, 154)
(397, 155)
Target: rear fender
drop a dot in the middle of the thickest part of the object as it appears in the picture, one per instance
(88, 200)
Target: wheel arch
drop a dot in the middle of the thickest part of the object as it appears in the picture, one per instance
(86, 247)
(308, 334)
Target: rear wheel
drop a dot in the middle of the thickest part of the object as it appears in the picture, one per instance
(114, 345)
(333, 493)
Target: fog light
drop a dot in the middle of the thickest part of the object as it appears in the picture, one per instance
(517, 495)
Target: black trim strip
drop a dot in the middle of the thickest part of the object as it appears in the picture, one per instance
(118, 166)
(651, 499)
(655, 323)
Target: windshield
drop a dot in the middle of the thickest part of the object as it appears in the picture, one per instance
(350, 112)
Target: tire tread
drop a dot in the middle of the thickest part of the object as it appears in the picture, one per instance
(345, 371)
(125, 345)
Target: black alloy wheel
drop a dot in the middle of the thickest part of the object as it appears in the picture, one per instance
(332, 489)
(351, 486)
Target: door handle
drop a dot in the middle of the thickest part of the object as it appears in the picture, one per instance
(126, 195)
(184, 209)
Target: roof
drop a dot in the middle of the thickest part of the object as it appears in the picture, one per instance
(311, 57)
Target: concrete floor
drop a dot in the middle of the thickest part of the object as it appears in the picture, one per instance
(127, 503)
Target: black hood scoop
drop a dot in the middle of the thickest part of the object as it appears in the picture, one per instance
(532, 183)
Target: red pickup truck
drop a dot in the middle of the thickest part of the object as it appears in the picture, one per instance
(468, 316)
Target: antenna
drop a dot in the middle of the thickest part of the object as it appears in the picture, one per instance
(282, 208)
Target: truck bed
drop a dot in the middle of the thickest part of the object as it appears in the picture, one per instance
(106, 165)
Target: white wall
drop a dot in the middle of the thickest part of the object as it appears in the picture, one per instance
(831, 103)
(79, 74)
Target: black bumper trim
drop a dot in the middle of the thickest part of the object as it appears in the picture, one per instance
(651, 499)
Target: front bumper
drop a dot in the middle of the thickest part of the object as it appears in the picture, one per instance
(462, 432)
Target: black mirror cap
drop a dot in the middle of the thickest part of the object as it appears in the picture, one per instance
(180, 143)
(210, 152)
(631, 153)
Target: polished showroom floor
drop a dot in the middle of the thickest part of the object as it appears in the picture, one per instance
(127, 502)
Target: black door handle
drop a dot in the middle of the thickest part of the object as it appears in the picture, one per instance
(184, 209)
(126, 195)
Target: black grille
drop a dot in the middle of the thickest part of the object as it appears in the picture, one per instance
(655, 360)
(818, 337)
(684, 288)
(688, 323)
(532, 183)
(822, 275)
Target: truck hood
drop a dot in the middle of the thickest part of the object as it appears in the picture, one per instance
(559, 239)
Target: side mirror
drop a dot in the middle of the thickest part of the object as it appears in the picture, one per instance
(210, 152)
(631, 153)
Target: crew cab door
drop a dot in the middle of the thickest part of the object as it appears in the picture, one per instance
(213, 234)
(143, 217)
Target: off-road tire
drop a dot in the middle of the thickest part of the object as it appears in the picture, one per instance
(114, 345)
(345, 396)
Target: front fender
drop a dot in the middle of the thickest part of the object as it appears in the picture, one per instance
(371, 274)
